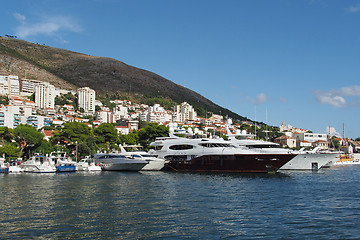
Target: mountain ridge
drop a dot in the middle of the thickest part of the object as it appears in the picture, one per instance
(70, 70)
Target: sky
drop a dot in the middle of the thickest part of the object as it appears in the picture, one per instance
(279, 61)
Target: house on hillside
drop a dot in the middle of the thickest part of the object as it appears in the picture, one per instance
(356, 146)
(124, 130)
(321, 144)
(286, 141)
(47, 134)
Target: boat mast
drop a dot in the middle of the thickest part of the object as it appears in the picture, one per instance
(255, 121)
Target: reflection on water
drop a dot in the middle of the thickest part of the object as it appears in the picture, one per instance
(153, 205)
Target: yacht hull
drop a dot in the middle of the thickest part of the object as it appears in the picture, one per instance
(310, 161)
(4, 170)
(236, 163)
(39, 169)
(154, 165)
(66, 168)
(122, 166)
(116, 162)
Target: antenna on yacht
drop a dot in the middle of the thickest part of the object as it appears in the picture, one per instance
(255, 121)
(267, 137)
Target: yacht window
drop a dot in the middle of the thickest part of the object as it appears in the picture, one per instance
(176, 157)
(262, 146)
(213, 145)
(156, 147)
(181, 147)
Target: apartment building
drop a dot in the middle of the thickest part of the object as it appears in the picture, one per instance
(45, 94)
(184, 112)
(10, 120)
(29, 85)
(86, 99)
(9, 85)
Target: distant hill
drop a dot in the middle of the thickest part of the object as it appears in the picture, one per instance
(70, 70)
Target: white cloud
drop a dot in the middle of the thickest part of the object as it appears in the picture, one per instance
(349, 91)
(337, 98)
(332, 131)
(20, 17)
(261, 98)
(52, 25)
(335, 101)
(354, 9)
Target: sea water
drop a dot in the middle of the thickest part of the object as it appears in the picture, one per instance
(166, 205)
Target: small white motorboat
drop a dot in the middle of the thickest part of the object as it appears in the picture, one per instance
(14, 167)
(39, 164)
(87, 164)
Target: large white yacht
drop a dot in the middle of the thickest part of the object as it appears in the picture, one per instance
(39, 164)
(118, 162)
(304, 160)
(214, 155)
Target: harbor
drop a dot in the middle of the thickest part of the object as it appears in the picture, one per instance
(162, 205)
(172, 120)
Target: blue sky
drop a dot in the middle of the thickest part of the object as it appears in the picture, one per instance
(296, 60)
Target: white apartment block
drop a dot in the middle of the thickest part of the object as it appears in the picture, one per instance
(45, 94)
(29, 85)
(105, 117)
(86, 99)
(9, 85)
(121, 112)
(10, 120)
(156, 108)
(216, 118)
(38, 121)
(157, 114)
(310, 137)
(23, 110)
(184, 112)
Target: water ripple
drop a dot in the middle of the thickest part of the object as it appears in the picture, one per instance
(160, 205)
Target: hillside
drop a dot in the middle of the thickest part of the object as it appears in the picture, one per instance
(71, 70)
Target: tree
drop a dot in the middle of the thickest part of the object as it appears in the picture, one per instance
(84, 149)
(9, 150)
(4, 100)
(150, 132)
(132, 138)
(6, 134)
(28, 138)
(45, 147)
(106, 133)
(334, 143)
(72, 132)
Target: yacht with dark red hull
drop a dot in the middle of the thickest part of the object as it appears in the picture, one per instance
(214, 155)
